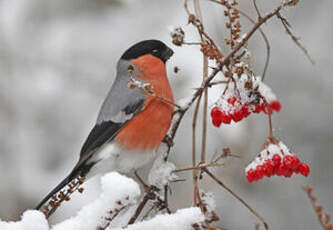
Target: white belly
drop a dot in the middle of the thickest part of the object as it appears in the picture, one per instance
(114, 158)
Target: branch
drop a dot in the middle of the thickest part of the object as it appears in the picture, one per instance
(236, 196)
(268, 47)
(257, 9)
(287, 26)
(215, 71)
(211, 164)
(195, 173)
(324, 219)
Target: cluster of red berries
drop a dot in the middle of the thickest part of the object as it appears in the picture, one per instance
(237, 111)
(278, 166)
(272, 106)
(275, 160)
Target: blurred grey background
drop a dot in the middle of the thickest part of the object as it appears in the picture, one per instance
(57, 62)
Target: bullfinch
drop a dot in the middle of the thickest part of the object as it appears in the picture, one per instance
(131, 123)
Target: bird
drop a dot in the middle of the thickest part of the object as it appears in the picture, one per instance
(131, 122)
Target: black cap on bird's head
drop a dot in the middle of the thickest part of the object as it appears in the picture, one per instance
(153, 47)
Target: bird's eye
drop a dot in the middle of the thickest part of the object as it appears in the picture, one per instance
(155, 51)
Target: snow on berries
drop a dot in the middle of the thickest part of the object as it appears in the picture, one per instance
(275, 160)
(247, 95)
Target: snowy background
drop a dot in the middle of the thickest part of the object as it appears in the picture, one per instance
(57, 62)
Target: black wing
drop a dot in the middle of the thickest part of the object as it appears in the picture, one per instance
(99, 135)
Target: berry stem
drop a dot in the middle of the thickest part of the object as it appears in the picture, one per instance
(269, 118)
(270, 125)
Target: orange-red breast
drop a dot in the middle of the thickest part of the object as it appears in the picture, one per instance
(131, 123)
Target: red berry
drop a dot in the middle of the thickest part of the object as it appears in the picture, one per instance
(216, 112)
(296, 163)
(260, 171)
(269, 168)
(232, 100)
(288, 173)
(217, 121)
(237, 116)
(298, 170)
(258, 108)
(245, 110)
(281, 170)
(275, 105)
(250, 175)
(304, 169)
(288, 161)
(276, 160)
(226, 118)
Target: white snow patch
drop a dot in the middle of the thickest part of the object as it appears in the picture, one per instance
(184, 102)
(281, 149)
(115, 187)
(31, 220)
(161, 173)
(181, 220)
(208, 198)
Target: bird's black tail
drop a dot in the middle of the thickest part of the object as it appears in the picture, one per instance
(62, 184)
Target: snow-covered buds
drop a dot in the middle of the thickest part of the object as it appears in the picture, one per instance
(250, 96)
(275, 159)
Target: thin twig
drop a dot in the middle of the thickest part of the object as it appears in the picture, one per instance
(110, 219)
(257, 9)
(324, 219)
(204, 121)
(217, 83)
(139, 209)
(257, 226)
(166, 200)
(145, 216)
(287, 26)
(167, 101)
(194, 173)
(205, 75)
(269, 113)
(268, 48)
(236, 196)
(211, 164)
